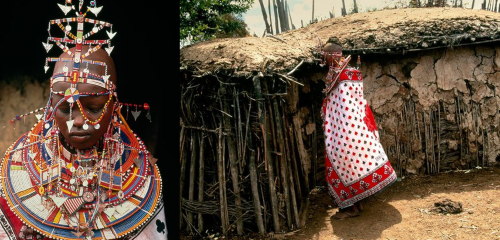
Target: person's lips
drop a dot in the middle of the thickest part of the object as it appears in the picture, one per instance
(79, 136)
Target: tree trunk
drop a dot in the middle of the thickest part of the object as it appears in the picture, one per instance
(312, 16)
(355, 7)
(264, 15)
(343, 10)
(290, 15)
(270, 16)
(285, 14)
(282, 15)
(276, 17)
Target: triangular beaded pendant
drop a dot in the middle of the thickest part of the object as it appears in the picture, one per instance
(136, 114)
(70, 124)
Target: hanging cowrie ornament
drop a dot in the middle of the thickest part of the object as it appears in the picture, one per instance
(95, 29)
(47, 126)
(85, 183)
(72, 181)
(97, 126)
(68, 27)
(85, 125)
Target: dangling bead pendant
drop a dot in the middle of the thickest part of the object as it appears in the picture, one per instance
(97, 126)
(85, 125)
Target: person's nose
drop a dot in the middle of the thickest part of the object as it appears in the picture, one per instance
(78, 118)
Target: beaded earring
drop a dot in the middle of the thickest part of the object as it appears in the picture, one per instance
(136, 113)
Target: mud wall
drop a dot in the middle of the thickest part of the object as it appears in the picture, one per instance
(19, 95)
(435, 110)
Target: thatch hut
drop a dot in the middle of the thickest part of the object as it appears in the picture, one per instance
(251, 132)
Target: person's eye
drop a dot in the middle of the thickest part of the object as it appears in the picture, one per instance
(95, 110)
(63, 110)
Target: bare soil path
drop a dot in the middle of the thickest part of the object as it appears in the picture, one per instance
(407, 210)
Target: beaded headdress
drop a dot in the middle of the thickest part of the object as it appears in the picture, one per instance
(76, 33)
(337, 65)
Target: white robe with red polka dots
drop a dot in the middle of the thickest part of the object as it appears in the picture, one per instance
(355, 161)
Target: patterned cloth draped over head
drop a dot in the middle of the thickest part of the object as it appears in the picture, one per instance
(355, 161)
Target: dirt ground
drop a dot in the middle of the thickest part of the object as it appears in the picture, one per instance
(407, 210)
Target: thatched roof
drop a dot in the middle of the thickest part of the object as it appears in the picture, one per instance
(394, 31)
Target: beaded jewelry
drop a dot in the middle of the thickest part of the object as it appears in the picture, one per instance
(107, 191)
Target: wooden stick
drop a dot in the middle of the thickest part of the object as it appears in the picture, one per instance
(201, 181)
(304, 156)
(438, 136)
(283, 162)
(314, 147)
(233, 166)
(240, 141)
(295, 170)
(289, 78)
(426, 143)
(247, 126)
(255, 188)
(267, 154)
(295, 68)
(182, 174)
(289, 149)
(222, 185)
(192, 176)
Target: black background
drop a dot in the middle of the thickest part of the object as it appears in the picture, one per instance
(146, 39)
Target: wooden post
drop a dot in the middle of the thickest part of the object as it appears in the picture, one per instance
(283, 162)
(254, 184)
(290, 152)
(182, 174)
(201, 182)
(222, 184)
(192, 177)
(267, 154)
(233, 166)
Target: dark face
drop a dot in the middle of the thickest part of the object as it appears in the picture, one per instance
(330, 47)
(93, 106)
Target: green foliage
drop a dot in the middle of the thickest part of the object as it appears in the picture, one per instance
(202, 20)
(232, 27)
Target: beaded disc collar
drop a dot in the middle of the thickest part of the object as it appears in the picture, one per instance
(67, 198)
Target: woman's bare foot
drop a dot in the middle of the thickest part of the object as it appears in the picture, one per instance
(349, 212)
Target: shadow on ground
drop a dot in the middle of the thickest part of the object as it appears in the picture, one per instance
(376, 217)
